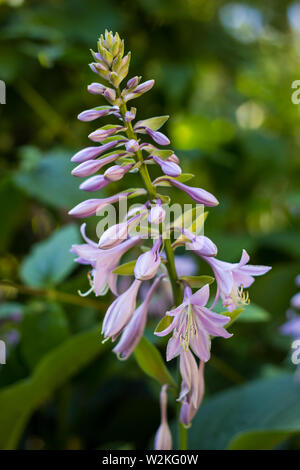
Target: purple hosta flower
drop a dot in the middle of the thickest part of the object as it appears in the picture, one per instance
(89, 153)
(101, 134)
(96, 88)
(120, 312)
(132, 83)
(114, 173)
(157, 136)
(233, 277)
(168, 167)
(130, 115)
(163, 436)
(92, 166)
(173, 158)
(116, 233)
(129, 94)
(200, 244)
(103, 262)
(292, 326)
(193, 324)
(148, 263)
(132, 146)
(295, 301)
(92, 206)
(92, 114)
(157, 214)
(199, 195)
(192, 387)
(95, 183)
(134, 330)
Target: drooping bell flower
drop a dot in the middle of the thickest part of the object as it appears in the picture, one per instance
(134, 330)
(103, 262)
(232, 278)
(148, 263)
(193, 324)
(192, 387)
(120, 312)
(163, 436)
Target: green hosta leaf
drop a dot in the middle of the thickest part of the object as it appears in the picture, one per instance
(258, 415)
(150, 361)
(197, 281)
(50, 180)
(164, 323)
(154, 123)
(126, 269)
(245, 313)
(50, 261)
(43, 328)
(254, 313)
(20, 400)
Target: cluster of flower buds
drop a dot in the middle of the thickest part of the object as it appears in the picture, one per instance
(132, 146)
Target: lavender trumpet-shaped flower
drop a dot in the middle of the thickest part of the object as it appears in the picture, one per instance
(192, 387)
(193, 324)
(232, 278)
(103, 262)
(163, 437)
(126, 146)
(120, 312)
(134, 330)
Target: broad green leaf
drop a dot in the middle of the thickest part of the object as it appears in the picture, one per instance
(50, 261)
(197, 281)
(154, 123)
(258, 415)
(244, 313)
(20, 400)
(150, 361)
(125, 269)
(43, 328)
(50, 181)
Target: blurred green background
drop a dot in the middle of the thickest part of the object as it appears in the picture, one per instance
(223, 71)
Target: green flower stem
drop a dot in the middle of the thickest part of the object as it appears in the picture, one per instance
(182, 431)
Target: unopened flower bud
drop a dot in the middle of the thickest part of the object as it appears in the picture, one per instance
(132, 146)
